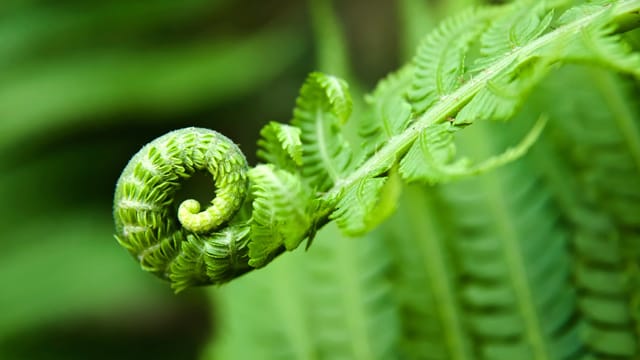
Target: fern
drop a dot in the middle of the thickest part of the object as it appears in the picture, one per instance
(274, 299)
(598, 43)
(518, 294)
(281, 213)
(598, 185)
(390, 112)
(351, 301)
(440, 62)
(334, 301)
(433, 321)
(500, 281)
(324, 105)
(492, 259)
(367, 204)
(281, 146)
(527, 21)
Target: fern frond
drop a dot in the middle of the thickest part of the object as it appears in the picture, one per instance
(366, 204)
(266, 315)
(433, 319)
(431, 158)
(333, 301)
(518, 294)
(323, 106)
(598, 145)
(440, 61)
(598, 43)
(608, 289)
(525, 22)
(281, 214)
(391, 113)
(581, 10)
(351, 301)
(527, 61)
(503, 95)
(280, 145)
(220, 256)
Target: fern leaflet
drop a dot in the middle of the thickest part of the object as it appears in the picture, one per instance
(281, 213)
(518, 292)
(390, 113)
(323, 106)
(440, 61)
(281, 146)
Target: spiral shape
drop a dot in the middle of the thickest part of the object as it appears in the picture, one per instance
(181, 243)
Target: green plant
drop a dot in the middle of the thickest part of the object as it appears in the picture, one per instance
(501, 251)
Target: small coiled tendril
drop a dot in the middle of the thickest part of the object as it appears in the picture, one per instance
(185, 246)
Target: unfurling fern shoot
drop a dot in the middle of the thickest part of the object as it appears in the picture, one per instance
(311, 175)
(184, 245)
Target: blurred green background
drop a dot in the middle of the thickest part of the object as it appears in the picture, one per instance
(83, 85)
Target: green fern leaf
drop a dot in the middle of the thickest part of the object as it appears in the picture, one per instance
(579, 11)
(281, 215)
(351, 303)
(518, 291)
(329, 302)
(266, 315)
(527, 21)
(606, 289)
(495, 92)
(502, 96)
(357, 205)
(599, 44)
(391, 113)
(431, 158)
(440, 61)
(433, 319)
(367, 204)
(323, 106)
(280, 145)
(210, 256)
(597, 151)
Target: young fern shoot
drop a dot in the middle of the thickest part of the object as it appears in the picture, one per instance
(310, 174)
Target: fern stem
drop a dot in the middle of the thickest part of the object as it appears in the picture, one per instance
(619, 107)
(291, 307)
(353, 300)
(513, 254)
(433, 255)
(438, 113)
(327, 160)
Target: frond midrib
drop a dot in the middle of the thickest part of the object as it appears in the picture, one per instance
(439, 111)
(353, 302)
(433, 255)
(509, 239)
(323, 147)
(622, 114)
(292, 314)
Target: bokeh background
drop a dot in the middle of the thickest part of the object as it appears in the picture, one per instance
(83, 85)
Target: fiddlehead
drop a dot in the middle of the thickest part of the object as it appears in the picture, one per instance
(184, 245)
(313, 176)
